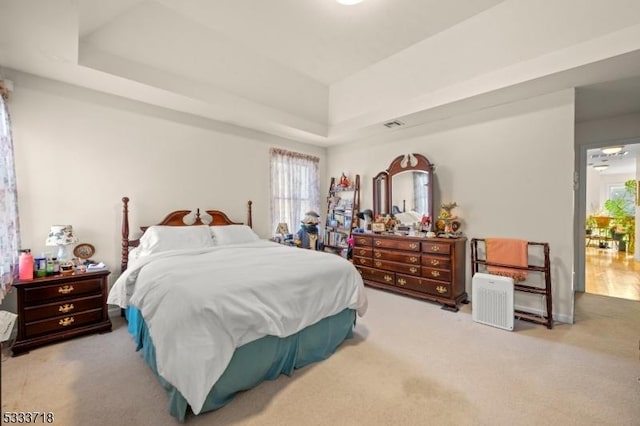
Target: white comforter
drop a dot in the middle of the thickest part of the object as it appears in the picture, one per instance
(199, 305)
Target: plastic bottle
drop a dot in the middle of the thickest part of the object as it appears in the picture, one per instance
(25, 265)
(49, 266)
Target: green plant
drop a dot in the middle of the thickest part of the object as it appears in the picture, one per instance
(619, 209)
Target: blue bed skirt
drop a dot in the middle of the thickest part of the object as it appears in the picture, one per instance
(263, 359)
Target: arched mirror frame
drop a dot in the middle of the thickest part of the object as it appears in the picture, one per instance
(399, 165)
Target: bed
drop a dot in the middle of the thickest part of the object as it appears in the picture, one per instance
(215, 310)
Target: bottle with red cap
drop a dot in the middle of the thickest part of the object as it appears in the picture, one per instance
(25, 265)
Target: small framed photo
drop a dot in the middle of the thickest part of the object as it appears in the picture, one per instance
(377, 227)
(282, 228)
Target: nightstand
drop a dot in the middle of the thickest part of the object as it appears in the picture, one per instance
(54, 308)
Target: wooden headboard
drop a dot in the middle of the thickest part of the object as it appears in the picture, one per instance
(175, 218)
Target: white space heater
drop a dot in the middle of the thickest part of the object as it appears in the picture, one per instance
(492, 300)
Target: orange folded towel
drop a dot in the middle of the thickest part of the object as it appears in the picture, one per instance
(507, 251)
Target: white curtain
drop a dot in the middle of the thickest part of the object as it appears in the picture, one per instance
(9, 225)
(295, 188)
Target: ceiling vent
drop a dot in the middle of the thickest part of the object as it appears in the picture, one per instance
(393, 124)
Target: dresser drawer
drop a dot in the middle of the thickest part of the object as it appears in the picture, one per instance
(65, 307)
(362, 251)
(424, 285)
(377, 275)
(66, 290)
(62, 323)
(397, 267)
(440, 262)
(363, 241)
(437, 274)
(397, 256)
(436, 247)
(362, 261)
(396, 244)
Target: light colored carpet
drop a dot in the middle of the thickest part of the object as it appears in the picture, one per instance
(410, 363)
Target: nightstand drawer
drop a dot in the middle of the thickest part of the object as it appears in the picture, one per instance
(47, 293)
(66, 307)
(62, 323)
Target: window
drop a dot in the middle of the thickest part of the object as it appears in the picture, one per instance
(620, 192)
(295, 187)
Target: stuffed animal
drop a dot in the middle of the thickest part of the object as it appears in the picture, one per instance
(307, 236)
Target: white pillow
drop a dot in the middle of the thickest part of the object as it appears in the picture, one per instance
(158, 238)
(232, 234)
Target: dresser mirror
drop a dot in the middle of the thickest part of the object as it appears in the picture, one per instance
(408, 193)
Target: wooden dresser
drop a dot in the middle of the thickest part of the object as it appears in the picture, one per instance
(425, 268)
(54, 308)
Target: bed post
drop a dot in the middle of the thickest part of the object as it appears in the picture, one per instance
(125, 234)
(249, 214)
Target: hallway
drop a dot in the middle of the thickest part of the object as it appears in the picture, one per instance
(612, 273)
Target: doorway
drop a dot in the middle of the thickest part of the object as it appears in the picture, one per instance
(610, 267)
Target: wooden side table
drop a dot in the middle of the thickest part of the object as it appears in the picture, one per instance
(54, 308)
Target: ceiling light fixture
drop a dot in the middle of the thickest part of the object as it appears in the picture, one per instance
(612, 149)
(348, 2)
(601, 167)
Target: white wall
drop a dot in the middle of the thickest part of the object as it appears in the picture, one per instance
(79, 152)
(510, 170)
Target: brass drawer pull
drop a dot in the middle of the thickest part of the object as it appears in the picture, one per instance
(441, 289)
(435, 262)
(435, 273)
(435, 248)
(413, 259)
(363, 252)
(66, 308)
(363, 261)
(378, 264)
(378, 255)
(66, 289)
(67, 321)
(361, 241)
(413, 269)
(378, 242)
(402, 281)
(388, 278)
(413, 245)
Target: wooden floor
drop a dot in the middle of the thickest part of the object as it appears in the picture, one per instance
(612, 273)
